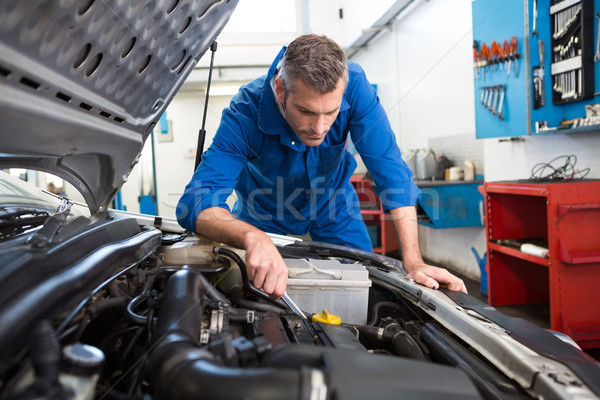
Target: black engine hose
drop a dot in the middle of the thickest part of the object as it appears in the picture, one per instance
(211, 291)
(134, 316)
(179, 369)
(247, 283)
(400, 341)
(238, 299)
(377, 308)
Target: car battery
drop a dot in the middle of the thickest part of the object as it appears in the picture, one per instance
(341, 289)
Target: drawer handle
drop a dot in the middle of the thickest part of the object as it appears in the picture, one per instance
(565, 208)
(586, 257)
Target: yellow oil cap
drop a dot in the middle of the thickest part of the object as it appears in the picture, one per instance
(327, 318)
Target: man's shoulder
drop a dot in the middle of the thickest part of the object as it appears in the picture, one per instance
(355, 71)
(251, 90)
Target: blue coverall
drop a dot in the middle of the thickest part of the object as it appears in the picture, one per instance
(286, 187)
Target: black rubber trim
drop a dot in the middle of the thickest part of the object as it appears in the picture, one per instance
(536, 338)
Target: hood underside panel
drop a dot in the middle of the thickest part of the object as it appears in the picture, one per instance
(84, 82)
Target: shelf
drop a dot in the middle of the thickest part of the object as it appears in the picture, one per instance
(518, 254)
(450, 204)
(380, 228)
(564, 217)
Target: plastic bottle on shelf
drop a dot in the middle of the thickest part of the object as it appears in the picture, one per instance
(535, 250)
(469, 171)
(426, 164)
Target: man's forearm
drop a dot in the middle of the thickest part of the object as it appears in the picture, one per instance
(217, 224)
(405, 222)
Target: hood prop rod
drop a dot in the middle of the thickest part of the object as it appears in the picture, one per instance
(202, 132)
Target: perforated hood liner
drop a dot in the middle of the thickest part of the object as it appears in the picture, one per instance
(83, 83)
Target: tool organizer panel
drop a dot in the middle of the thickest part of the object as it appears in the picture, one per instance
(572, 67)
(534, 65)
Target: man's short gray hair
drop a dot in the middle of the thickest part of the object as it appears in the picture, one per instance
(316, 60)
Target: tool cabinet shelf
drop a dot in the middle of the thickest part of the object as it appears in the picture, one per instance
(379, 225)
(566, 217)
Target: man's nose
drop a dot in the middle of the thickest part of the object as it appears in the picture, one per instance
(319, 125)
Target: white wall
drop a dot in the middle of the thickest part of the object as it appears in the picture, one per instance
(424, 74)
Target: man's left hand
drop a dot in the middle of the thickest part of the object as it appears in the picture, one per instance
(431, 276)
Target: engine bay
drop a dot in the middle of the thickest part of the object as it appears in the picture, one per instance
(188, 324)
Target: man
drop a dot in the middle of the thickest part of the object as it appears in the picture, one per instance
(281, 146)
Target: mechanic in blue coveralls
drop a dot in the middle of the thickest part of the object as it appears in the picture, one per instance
(281, 146)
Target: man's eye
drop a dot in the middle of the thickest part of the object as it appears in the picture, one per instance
(307, 112)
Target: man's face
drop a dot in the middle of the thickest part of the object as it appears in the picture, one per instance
(309, 113)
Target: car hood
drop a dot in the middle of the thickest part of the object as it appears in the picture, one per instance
(84, 83)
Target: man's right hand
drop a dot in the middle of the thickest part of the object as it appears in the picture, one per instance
(266, 269)
(264, 264)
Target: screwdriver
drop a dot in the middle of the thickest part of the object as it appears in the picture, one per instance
(513, 53)
(494, 48)
(507, 61)
(475, 49)
(484, 55)
(499, 53)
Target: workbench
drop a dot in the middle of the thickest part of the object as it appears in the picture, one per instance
(564, 217)
(443, 204)
(450, 204)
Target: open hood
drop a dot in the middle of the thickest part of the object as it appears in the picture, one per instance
(83, 83)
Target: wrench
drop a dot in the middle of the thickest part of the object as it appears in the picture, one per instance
(290, 303)
(490, 99)
(500, 112)
(534, 33)
(493, 109)
(597, 56)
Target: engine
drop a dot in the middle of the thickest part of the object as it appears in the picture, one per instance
(189, 325)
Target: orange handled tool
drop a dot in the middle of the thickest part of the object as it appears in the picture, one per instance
(494, 48)
(484, 57)
(475, 56)
(507, 60)
(513, 53)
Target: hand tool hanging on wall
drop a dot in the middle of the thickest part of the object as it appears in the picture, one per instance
(534, 33)
(514, 44)
(475, 56)
(501, 105)
(498, 55)
(484, 57)
(507, 59)
(572, 68)
(564, 20)
(541, 54)
(493, 99)
(538, 79)
(597, 56)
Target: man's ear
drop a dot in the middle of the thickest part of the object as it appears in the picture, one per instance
(279, 90)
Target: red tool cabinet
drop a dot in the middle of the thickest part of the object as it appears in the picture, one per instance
(380, 226)
(564, 216)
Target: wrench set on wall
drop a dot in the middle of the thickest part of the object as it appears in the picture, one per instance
(492, 98)
(572, 61)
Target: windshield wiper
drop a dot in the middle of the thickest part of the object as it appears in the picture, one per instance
(52, 225)
(14, 221)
